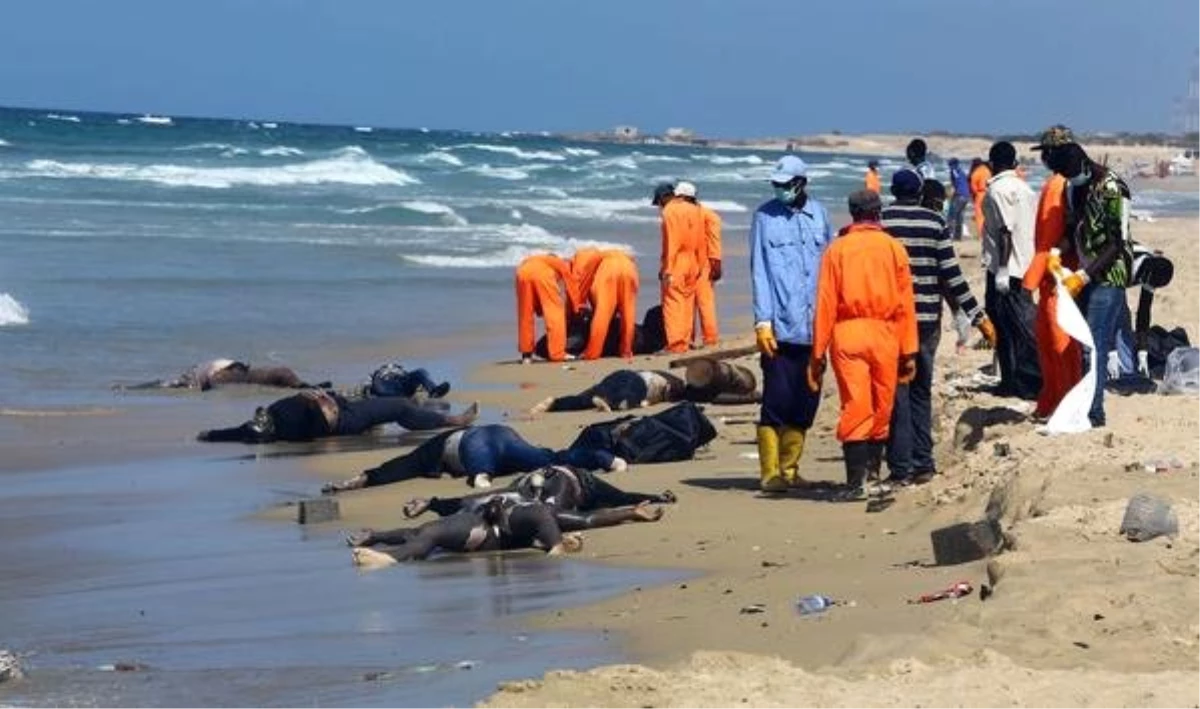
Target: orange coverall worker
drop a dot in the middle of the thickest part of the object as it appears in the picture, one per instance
(1059, 356)
(540, 282)
(872, 181)
(866, 316)
(710, 273)
(683, 256)
(609, 280)
(979, 181)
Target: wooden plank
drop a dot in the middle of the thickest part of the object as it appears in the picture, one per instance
(714, 354)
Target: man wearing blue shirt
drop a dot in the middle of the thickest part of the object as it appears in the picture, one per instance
(788, 236)
(958, 203)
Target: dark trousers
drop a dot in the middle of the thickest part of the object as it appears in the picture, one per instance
(1013, 314)
(786, 399)
(910, 442)
(622, 389)
(359, 415)
(1102, 306)
(954, 220)
(408, 383)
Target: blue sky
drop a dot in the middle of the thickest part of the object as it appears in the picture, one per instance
(731, 68)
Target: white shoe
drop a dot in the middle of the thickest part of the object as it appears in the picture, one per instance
(482, 481)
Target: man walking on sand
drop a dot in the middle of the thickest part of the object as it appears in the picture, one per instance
(710, 270)
(867, 321)
(1010, 215)
(788, 236)
(681, 264)
(913, 220)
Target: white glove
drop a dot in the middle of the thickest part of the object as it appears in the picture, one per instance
(1114, 365)
(1143, 366)
(1001, 280)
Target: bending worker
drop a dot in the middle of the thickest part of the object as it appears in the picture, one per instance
(608, 279)
(540, 281)
(683, 253)
(866, 318)
(710, 266)
(788, 235)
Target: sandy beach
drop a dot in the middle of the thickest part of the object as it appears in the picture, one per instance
(1078, 615)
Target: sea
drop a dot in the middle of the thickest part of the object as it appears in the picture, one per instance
(133, 246)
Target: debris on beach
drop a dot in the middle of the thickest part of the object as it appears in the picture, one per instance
(752, 609)
(124, 667)
(958, 590)
(1147, 517)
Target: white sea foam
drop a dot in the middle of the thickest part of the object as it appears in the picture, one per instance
(581, 152)
(516, 214)
(643, 157)
(269, 125)
(12, 312)
(148, 119)
(441, 156)
(730, 159)
(364, 129)
(500, 173)
(447, 214)
(4, 143)
(67, 118)
(351, 166)
(526, 241)
(512, 150)
(550, 191)
(280, 151)
(625, 162)
(595, 209)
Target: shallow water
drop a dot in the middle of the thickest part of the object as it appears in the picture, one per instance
(161, 563)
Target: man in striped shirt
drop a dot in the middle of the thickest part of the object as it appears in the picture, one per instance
(935, 272)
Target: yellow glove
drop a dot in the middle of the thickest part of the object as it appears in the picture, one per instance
(1054, 262)
(764, 336)
(816, 371)
(1075, 282)
(908, 368)
(988, 330)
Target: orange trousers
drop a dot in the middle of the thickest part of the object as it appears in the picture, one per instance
(614, 286)
(706, 307)
(866, 356)
(1060, 357)
(538, 294)
(679, 314)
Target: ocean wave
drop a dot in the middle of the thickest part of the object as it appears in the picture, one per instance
(350, 166)
(644, 157)
(510, 256)
(280, 151)
(625, 162)
(445, 213)
(65, 117)
(581, 152)
(730, 159)
(549, 191)
(500, 173)
(12, 312)
(441, 156)
(4, 143)
(511, 150)
(364, 129)
(147, 119)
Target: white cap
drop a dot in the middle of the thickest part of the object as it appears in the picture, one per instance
(685, 189)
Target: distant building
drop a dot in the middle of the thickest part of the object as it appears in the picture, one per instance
(682, 135)
(626, 132)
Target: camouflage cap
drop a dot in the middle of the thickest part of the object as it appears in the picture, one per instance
(1055, 136)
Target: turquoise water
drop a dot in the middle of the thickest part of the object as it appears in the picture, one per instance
(132, 249)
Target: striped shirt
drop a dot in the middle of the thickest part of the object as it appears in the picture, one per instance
(935, 271)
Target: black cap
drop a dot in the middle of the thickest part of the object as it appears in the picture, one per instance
(661, 191)
(864, 202)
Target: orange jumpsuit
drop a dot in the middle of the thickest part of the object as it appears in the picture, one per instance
(683, 250)
(872, 181)
(979, 180)
(540, 280)
(609, 280)
(1059, 356)
(706, 294)
(867, 317)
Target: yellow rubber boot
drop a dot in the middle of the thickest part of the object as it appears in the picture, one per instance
(791, 447)
(768, 460)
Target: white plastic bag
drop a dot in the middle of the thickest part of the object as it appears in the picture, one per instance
(1071, 416)
(1182, 374)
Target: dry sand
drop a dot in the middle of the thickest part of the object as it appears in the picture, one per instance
(1079, 616)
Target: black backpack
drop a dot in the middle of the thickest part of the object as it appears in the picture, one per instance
(670, 435)
(1159, 343)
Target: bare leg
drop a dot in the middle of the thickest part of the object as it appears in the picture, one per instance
(573, 522)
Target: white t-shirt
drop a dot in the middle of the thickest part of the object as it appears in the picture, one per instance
(1009, 203)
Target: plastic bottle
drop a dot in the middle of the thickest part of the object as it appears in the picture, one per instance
(810, 605)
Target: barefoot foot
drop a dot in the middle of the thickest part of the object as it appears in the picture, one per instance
(371, 559)
(416, 507)
(359, 538)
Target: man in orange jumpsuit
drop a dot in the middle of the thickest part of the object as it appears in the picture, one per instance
(1058, 355)
(866, 316)
(981, 172)
(683, 256)
(608, 279)
(872, 177)
(710, 269)
(541, 280)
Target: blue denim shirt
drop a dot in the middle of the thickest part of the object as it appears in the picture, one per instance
(785, 259)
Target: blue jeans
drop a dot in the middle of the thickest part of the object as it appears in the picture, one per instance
(910, 440)
(1102, 306)
(954, 221)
